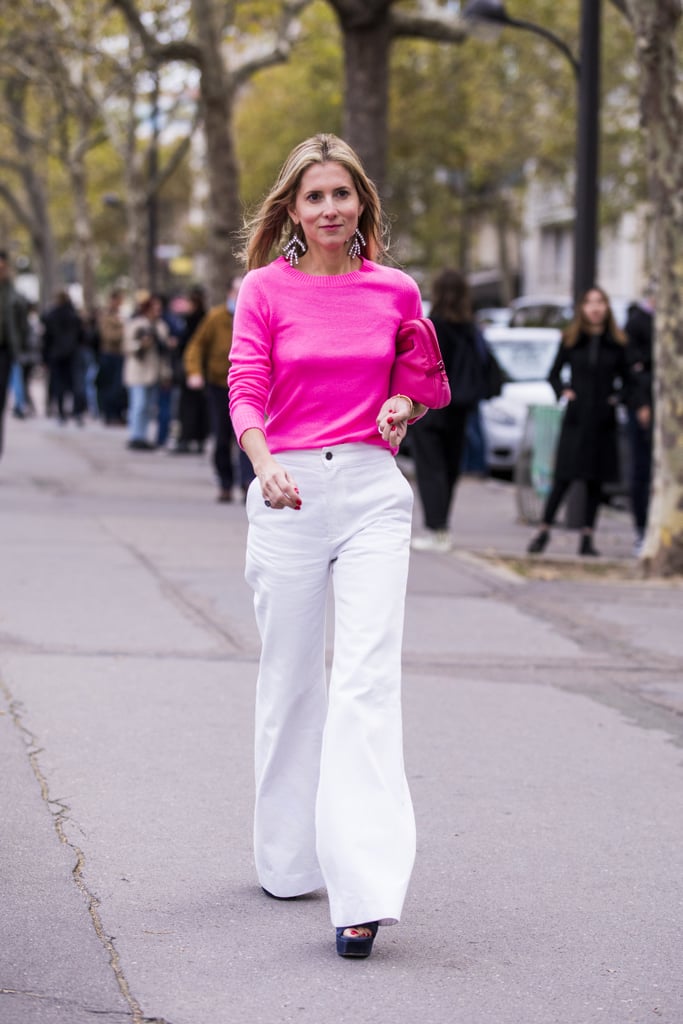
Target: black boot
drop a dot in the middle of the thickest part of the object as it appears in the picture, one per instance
(586, 546)
(539, 542)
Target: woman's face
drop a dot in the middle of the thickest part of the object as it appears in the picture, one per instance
(594, 309)
(327, 206)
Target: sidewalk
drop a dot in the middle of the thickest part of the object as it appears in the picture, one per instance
(543, 721)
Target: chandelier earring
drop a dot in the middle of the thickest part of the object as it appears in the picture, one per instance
(294, 248)
(357, 241)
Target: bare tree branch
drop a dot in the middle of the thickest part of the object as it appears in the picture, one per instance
(19, 211)
(437, 25)
(160, 53)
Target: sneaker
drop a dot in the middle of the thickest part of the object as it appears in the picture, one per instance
(433, 540)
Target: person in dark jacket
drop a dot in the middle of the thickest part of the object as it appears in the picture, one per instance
(589, 373)
(63, 336)
(639, 339)
(438, 439)
(193, 411)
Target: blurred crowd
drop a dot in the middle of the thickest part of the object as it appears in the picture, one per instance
(154, 367)
(157, 368)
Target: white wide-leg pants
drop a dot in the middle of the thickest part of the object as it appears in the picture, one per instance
(332, 801)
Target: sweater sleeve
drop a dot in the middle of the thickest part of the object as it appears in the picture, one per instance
(250, 373)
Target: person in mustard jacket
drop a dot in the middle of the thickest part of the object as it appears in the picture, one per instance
(206, 360)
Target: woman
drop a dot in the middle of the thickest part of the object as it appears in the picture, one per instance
(438, 440)
(313, 347)
(588, 373)
(144, 338)
(193, 409)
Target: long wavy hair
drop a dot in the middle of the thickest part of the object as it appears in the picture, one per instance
(451, 297)
(579, 325)
(271, 226)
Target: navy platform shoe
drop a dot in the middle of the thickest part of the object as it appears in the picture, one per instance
(356, 945)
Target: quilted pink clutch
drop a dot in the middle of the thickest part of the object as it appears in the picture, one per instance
(418, 370)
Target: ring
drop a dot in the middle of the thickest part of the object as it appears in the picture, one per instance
(267, 503)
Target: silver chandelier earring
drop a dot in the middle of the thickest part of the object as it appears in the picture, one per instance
(357, 241)
(295, 247)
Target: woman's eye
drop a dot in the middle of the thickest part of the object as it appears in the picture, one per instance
(343, 193)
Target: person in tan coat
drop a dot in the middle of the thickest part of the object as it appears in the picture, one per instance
(144, 340)
(206, 360)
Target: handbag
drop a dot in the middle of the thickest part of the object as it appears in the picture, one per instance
(418, 369)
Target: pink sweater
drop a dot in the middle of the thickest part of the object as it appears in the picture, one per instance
(311, 356)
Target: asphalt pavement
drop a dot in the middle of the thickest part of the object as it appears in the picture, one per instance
(543, 703)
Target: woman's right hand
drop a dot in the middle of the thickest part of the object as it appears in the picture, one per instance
(569, 394)
(278, 488)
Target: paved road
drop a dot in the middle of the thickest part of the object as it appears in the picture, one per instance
(543, 744)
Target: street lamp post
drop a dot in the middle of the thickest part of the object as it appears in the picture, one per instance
(587, 73)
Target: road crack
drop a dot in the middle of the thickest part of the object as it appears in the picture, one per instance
(60, 816)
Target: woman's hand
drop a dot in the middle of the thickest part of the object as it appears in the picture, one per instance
(569, 394)
(277, 487)
(392, 421)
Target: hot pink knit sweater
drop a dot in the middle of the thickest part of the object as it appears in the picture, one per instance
(311, 356)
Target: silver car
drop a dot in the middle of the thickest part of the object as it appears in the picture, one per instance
(525, 355)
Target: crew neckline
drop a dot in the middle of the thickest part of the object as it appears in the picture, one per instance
(324, 280)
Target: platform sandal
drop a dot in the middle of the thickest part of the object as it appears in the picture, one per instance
(356, 945)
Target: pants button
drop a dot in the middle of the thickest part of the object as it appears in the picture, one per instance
(328, 455)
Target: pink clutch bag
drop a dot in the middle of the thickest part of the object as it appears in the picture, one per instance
(418, 370)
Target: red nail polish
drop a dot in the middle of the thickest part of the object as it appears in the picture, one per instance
(389, 419)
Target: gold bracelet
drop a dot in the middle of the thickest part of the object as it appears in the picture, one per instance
(412, 406)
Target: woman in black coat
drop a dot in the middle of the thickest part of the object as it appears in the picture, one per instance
(589, 373)
(438, 439)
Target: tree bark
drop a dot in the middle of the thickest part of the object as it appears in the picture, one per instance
(366, 93)
(656, 23)
(36, 216)
(217, 99)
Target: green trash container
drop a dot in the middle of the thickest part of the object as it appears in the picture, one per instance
(546, 422)
(536, 460)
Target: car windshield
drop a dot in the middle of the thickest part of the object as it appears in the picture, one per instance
(525, 359)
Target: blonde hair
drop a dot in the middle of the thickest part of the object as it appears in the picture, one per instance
(271, 226)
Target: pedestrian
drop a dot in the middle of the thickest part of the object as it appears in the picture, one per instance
(438, 440)
(167, 392)
(313, 347)
(589, 374)
(112, 398)
(639, 353)
(32, 356)
(63, 338)
(143, 338)
(13, 332)
(193, 413)
(207, 358)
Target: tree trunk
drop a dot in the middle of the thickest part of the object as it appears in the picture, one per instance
(83, 232)
(224, 213)
(366, 78)
(37, 220)
(656, 23)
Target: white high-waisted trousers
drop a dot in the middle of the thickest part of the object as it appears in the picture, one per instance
(332, 801)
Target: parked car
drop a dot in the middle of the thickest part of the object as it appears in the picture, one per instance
(556, 310)
(541, 311)
(493, 316)
(525, 355)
